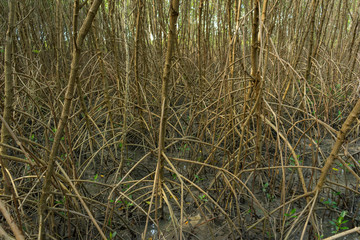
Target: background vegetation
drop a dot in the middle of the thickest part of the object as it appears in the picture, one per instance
(206, 119)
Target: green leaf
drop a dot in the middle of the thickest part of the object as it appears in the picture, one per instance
(343, 214)
(203, 198)
(320, 236)
(292, 211)
(198, 178)
(114, 234)
(96, 177)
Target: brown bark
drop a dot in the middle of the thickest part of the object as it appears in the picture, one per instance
(137, 50)
(341, 135)
(64, 116)
(174, 13)
(199, 33)
(126, 114)
(9, 91)
(14, 228)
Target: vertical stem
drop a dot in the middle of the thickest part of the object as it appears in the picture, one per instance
(127, 89)
(64, 115)
(136, 52)
(115, 47)
(58, 38)
(174, 13)
(199, 41)
(255, 73)
(311, 41)
(9, 91)
(255, 45)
